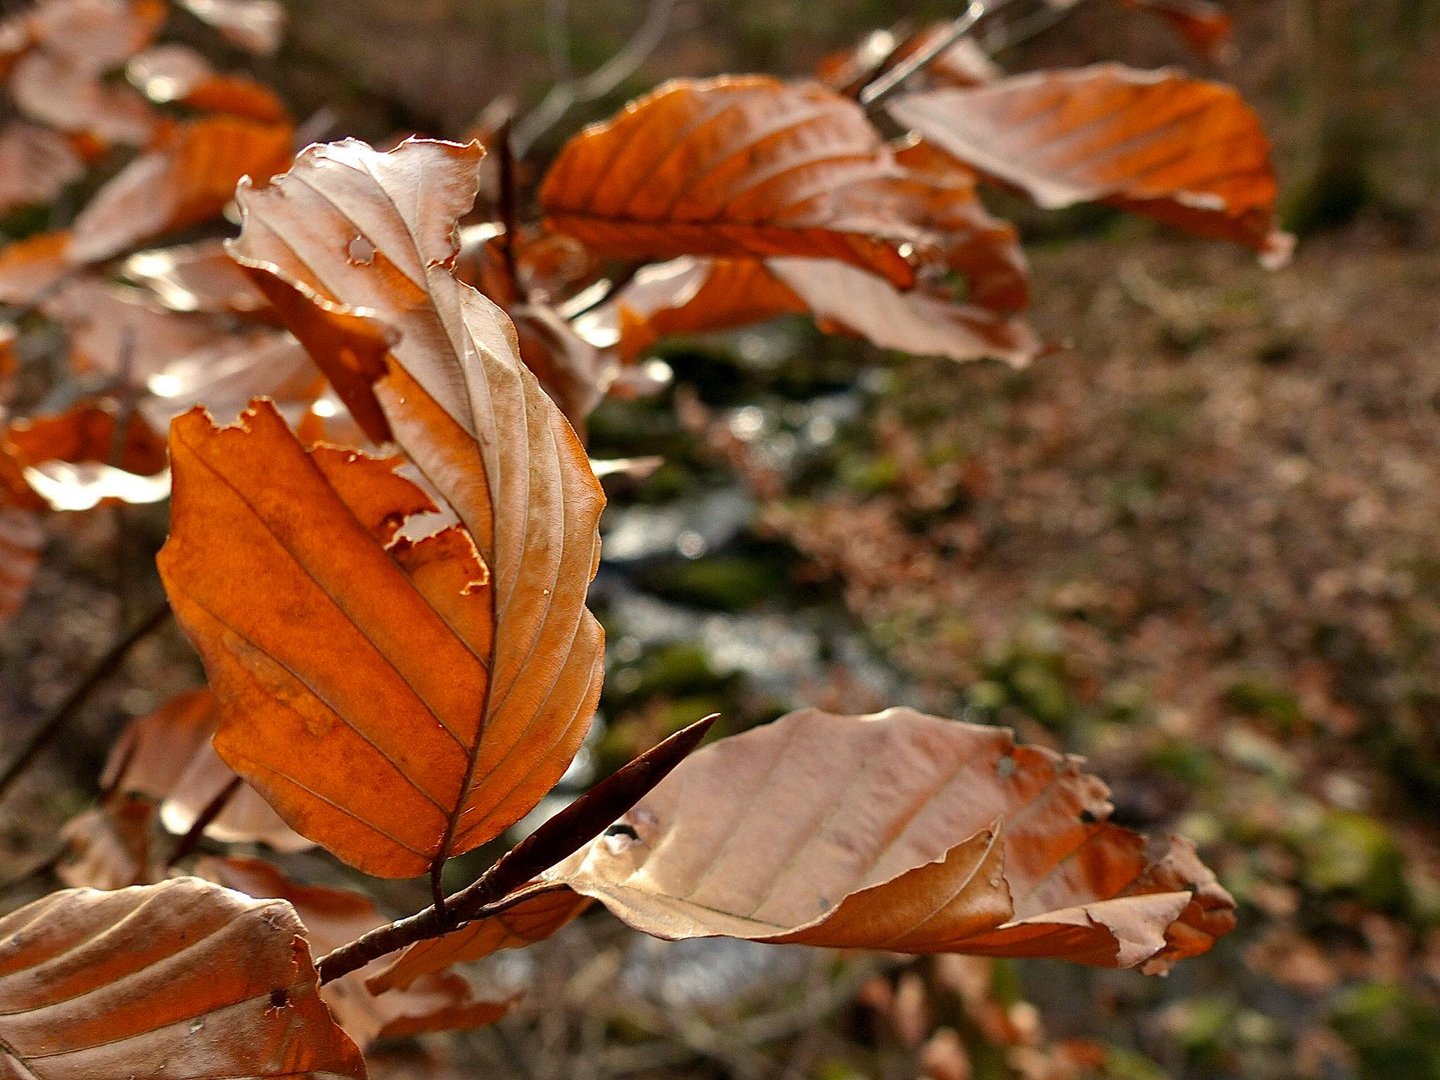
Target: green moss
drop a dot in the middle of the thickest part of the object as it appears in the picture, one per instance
(1394, 1036)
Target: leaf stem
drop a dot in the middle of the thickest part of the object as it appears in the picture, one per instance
(63, 713)
(504, 883)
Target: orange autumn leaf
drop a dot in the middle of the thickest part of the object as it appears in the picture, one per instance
(1187, 152)
(983, 249)
(31, 267)
(1203, 25)
(185, 181)
(109, 846)
(183, 978)
(176, 73)
(731, 167)
(335, 917)
(166, 756)
(351, 231)
(686, 296)
(794, 832)
(81, 458)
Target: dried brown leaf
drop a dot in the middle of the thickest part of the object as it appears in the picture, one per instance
(167, 757)
(1187, 152)
(735, 167)
(188, 180)
(793, 832)
(350, 228)
(183, 978)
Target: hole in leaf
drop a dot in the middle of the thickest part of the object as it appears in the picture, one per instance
(361, 252)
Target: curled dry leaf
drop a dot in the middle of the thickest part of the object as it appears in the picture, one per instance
(449, 681)
(166, 756)
(108, 846)
(182, 979)
(1203, 25)
(334, 917)
(55, 91)
(982, 248)
(63, 461)
(844, 299)
(795, 832)
(573, 371)
(35, 165)
(21, 541)
(195, 277)
(962, 63)
(686, 296)
(184, 182)
(733, 167)
(176, 73)
(94, 35)
(119, 331)
(1187, 152)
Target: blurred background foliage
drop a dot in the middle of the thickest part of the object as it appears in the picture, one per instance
(1198, 542)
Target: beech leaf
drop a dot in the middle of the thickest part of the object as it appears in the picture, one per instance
(1185, 151)
(188, 180)
(736, 166)
(897, 831)
(501, 660)
(181, 979)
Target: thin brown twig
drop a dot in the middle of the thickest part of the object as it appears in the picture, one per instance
(63, 713)
(213, 809)
(893, 79)
(564, 96)
(505, 883)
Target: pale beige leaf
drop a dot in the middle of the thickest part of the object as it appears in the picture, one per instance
(897, 831)
(1188, 152)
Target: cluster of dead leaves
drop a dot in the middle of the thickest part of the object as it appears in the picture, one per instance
(386, 576)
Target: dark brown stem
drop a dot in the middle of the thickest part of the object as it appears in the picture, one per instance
(508, 214)
(62, 714)
(498, 887)
(213, 809)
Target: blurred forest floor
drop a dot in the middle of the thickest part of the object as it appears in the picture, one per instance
(1199, 542)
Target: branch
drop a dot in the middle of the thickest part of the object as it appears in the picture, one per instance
(892, 80)
(213, 809)
(563, 96)
(504, 884)
(101, 670)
